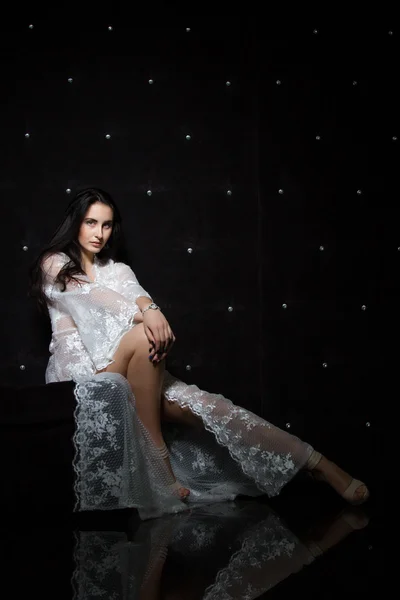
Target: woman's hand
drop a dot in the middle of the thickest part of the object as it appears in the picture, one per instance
(159, 334)
(138, 318)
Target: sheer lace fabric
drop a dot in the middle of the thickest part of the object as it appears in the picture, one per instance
(118, 466)
(250, 554)
(89, 318)
(116, 463)
(269, 456)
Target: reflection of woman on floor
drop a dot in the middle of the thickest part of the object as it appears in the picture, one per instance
(103, 320)
(270, 553)
(233, 550)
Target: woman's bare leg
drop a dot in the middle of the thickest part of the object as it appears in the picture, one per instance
(337, 478)
(131, 360)
(146, 379)
(173, 412)
(347, 521)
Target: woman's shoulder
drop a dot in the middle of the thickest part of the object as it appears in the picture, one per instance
(55, 258)
(121, 267)
(117, 264)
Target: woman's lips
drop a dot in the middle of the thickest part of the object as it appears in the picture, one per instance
(95, 244)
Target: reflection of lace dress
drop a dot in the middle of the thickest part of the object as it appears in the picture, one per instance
(116, 462)
(223, 551)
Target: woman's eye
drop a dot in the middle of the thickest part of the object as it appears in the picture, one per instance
(92, 223)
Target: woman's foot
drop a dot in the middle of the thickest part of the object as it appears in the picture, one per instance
(322, 539)
(176, 487)
(182, 492)
(352, 490)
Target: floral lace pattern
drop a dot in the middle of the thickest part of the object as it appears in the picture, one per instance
(100, 312)
(269, 552)
(108, 565)
(117, 465)
(268, 455)
(69, 358)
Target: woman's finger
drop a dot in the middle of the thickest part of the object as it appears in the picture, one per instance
(161, 341)
(163, 345)
(168, 344)
(171, 342)
(149, 334)
(152, 341)
(156, 340)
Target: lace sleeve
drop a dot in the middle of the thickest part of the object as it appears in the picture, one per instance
(70, 358)
(127, 283)
(101, 314)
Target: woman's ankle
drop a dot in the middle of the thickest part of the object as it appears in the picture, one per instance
(313, 460)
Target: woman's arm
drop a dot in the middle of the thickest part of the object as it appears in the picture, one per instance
(100, 313)
(69, 356)
(142, 302)
(138, 317)
(129, 286)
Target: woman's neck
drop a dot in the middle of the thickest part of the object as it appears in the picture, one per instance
(87, 260)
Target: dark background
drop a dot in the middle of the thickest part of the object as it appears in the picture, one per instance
(285, 193)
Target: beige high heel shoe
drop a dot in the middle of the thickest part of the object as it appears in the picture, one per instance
(176, 486)
(349, 492)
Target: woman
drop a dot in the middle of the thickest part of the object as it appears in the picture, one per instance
(103, 321)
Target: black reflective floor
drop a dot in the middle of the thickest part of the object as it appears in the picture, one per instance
(306, 541)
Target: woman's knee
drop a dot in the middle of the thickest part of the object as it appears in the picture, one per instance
(139, 336)
(134, 340)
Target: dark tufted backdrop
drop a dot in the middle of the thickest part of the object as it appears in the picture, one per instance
(255, 170)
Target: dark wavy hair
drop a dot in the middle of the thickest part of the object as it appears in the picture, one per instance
(65, 239)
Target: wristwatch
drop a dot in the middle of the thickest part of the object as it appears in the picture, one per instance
(153, 306)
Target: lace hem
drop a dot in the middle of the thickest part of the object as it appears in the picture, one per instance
(117, 465)
(267, 455)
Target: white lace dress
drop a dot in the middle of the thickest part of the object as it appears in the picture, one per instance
(116, 463)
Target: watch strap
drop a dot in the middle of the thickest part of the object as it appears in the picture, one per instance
(152, 306)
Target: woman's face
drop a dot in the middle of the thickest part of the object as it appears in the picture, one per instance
(96, 227)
